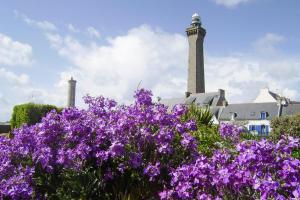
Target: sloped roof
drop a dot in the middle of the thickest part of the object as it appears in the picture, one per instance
(200, 99)
(172, 102)
(274, 95)
(210, 99)
(252, 111)
(291, 109)
(203, 99)
(249, 111)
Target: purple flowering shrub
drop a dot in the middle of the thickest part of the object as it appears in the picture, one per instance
(105, 152)
(141, 151)
(259, 170)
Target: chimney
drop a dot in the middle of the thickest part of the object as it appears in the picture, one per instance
(281, 102)
(222, 100)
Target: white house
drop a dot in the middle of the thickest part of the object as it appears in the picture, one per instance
(256, 116)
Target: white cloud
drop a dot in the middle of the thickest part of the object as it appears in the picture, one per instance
(13, 78)
(18, 88)
(89, 31)
(159, 60)
(12, 87)
(268, 43)
(72, 28)
(43, 25)
(14, 52)
(242, 76)
(231, 3)
(115, 70)
(92, 32)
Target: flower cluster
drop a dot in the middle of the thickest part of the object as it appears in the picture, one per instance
(260, 170)
(230, 131)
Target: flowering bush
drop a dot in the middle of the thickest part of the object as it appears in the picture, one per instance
(140, 151)
(259, 170)
(106, 151)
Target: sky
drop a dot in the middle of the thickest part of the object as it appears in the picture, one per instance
(114, 47)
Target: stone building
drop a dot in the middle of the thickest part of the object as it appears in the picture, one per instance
(255, 116)
(196, 80)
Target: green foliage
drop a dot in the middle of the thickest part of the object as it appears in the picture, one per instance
(90, 183)
(202, 116)
(296, 153)
(249, 136)
(29, 113)
(209, 139)
(287, 125)
(207, 134)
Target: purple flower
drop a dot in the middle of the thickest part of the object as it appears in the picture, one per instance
(296, 192)
(135, 160)
(179, 110)
(230, 131)
(116, 149)
(152, 170)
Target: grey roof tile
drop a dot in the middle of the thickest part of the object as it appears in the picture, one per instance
(252, 111)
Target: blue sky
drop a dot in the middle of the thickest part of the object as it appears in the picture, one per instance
(110, 46)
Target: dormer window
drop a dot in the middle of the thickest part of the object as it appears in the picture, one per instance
(233, 116)
(263, 115)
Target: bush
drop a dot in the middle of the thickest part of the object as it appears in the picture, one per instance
(286, 125)
(207, 134)
(202, 116)
(103, 152)
(259, 170)
(29, 114)
(141, 151)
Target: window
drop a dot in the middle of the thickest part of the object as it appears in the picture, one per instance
(263, 130)
(233, 115)
(263, 115)
(259, 129)
(251, 127)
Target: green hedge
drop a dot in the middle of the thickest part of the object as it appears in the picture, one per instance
(287, 125)
(29, 113)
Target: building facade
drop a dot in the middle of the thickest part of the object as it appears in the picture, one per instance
(256, 116)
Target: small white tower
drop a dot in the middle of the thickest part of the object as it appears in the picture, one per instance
(71, 92)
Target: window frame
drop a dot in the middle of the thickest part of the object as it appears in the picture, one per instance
(263, 115)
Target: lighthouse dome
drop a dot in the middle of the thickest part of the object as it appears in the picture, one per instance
(196, 19)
